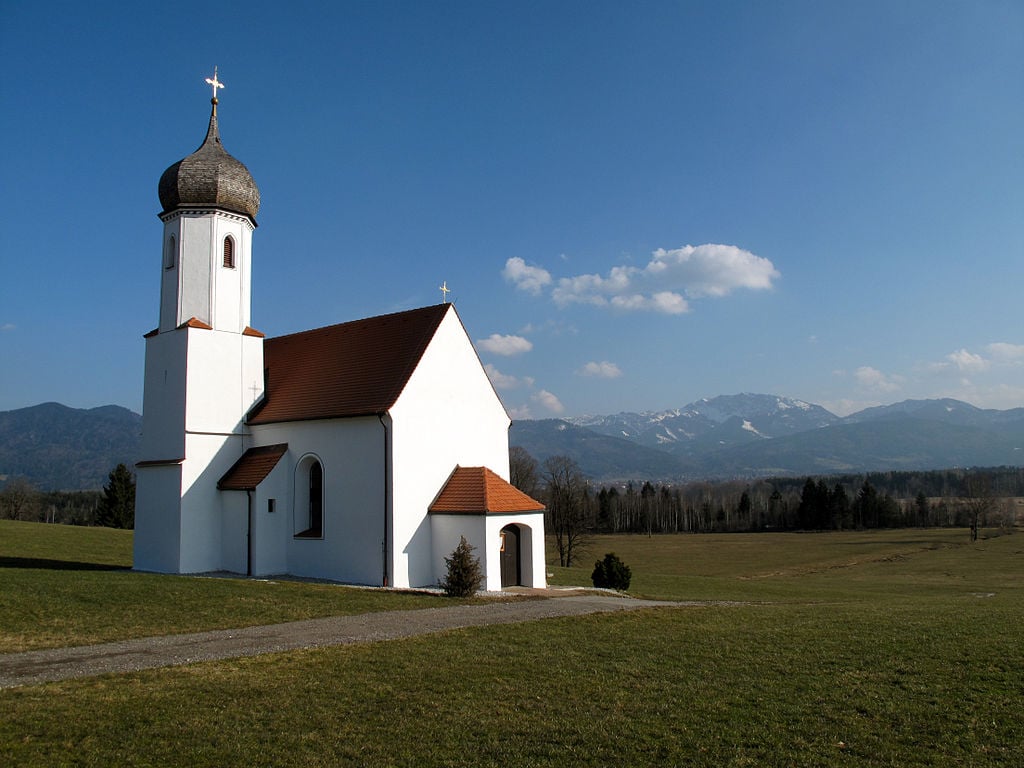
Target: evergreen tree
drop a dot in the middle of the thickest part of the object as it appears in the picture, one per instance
(611, 573)
(464, 575)
(117, 507)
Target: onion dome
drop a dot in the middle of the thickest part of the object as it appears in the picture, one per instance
(210, 177)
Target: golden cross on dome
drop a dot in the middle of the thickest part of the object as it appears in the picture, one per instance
(445, 290)
(214, 82)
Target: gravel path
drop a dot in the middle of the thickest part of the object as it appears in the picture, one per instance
(34, 667)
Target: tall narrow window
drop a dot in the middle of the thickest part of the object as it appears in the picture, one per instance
(172, 253)
(229, 252)
(316, 500)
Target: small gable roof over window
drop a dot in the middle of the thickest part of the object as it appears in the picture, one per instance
(253, 468)
(478, 490)
(352, 369)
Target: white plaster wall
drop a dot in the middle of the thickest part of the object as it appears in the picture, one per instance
(207, 458)
(448, 415)
(157, 529)
(352, 454)
(234, 531)
(272, 531)
(231, 302)
(163, 409)
(195, 289)
(220, 379)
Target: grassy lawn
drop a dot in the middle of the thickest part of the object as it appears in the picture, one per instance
(890, 649)
(63, 585)
(851, 565)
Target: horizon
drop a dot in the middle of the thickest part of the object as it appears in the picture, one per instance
(641, 412)
(634, 207)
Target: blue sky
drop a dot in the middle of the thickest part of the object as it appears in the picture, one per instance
(635, 204)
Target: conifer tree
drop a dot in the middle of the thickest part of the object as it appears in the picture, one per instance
(464, 575)
(117, 507)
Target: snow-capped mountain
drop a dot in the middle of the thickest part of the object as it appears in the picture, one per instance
(713, 422)
(752, 435)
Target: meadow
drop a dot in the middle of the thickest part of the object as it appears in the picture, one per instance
(886, 648)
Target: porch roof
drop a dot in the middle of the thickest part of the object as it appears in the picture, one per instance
(478, 490)
(252, 468)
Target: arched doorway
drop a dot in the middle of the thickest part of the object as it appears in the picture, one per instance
(511, 567)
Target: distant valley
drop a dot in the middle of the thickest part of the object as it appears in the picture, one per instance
(730, 436)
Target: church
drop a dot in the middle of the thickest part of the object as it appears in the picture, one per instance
(359, 452)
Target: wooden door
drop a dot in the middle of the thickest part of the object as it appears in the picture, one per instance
(511, 573)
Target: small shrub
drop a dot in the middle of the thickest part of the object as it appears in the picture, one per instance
(464, 576)
(611, 573)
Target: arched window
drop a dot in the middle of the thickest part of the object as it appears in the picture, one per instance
(229, 252)
(172, 253)
(309, 499)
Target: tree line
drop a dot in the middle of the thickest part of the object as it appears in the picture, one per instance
(113, 507)
(576, 508)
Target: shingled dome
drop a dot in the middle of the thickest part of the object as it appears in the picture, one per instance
(210, 177)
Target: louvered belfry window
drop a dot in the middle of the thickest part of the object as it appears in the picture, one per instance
(172, 253)
(229, 252)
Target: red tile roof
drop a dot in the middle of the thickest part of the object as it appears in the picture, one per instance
(478, 490)
(194, 322)
(251, 470)
(352, 369)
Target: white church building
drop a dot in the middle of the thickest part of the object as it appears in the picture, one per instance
(359, 452)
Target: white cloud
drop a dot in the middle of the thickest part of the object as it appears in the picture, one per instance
(710, 270)
(502, 380)
(664, 285)
(1006, 353)
(548, 401)
(967, 361)
(8, 327)
(526, 278)
(519, 412)
(504, 345)
(602, 370)
(872, 378)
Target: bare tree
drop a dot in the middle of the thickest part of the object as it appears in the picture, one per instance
(980, 502)
(18, 499)
(567, 507)
(523, 470)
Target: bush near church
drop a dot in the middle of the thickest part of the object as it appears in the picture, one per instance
(611, 573)
(464, 576)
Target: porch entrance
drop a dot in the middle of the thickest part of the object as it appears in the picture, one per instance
(511, 568)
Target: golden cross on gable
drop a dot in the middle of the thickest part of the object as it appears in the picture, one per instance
(214, 82)
(445, 290)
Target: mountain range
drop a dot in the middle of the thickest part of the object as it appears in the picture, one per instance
(730, 436)
(754, 435)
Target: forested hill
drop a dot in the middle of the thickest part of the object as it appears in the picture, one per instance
(56, 447)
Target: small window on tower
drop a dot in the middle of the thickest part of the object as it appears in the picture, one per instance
(229, 252)
(171, 256)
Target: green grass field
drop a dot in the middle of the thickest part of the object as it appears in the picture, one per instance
(62, 585)
(895, 648)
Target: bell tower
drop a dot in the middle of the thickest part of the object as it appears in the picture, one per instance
(204, 363)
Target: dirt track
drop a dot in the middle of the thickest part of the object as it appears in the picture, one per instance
(33, 667)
